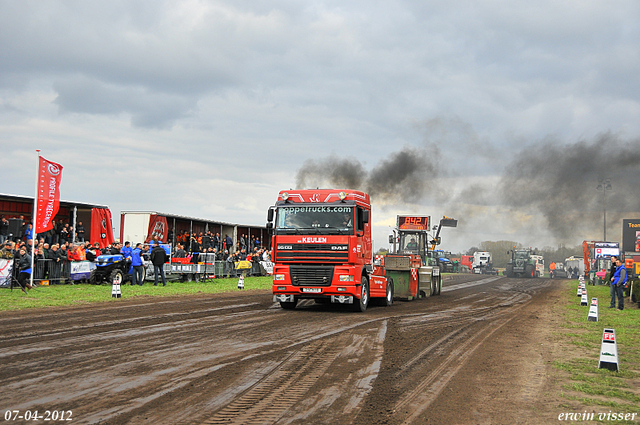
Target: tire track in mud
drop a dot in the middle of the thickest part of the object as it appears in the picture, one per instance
(270, 398)
(249, 362)
(420, 378)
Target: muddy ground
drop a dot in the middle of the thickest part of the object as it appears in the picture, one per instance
(474, 355)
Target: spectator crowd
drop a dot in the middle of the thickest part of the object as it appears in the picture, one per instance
(56, 249)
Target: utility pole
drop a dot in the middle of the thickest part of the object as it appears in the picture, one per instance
(604, 185)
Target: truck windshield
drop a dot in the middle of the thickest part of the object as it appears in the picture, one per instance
(338, 219)
(521, 254)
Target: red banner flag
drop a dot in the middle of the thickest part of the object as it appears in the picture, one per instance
(157, 229)
(101, 230)
(49, 177)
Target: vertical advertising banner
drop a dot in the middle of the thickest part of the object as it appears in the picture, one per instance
(49, 177)
(157, 229)
(631, 235)
(101, 230)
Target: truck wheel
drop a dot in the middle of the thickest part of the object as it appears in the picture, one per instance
(438, 285)
(289, 305)
(389, 298)
(116, 277)
(360, 305)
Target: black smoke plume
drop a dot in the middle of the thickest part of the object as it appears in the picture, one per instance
(551, 179)
(403, 175)
(560, 181)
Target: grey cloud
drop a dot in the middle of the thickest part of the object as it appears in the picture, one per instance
(153, 110)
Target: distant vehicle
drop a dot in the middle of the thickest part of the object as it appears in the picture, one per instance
(539, 263)
(521, 264)
(482, 263)
(576, 264)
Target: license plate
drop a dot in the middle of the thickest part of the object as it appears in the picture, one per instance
(436, 272)
(314, 290)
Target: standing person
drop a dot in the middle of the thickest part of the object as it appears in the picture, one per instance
(28, 232)
(54, 264)
(195, 246)
(180, 252)
(229, 242)
(4, 229)
(24, 265)
(206, 241)
(80, 232)
(137, 264)
(158, 258)
(126, 250)
(612, 289)
(64, 234)
(619, 282)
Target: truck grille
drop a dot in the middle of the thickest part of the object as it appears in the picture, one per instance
(311, 275)
(317, 253)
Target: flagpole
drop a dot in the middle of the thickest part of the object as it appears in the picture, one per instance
(34, 219)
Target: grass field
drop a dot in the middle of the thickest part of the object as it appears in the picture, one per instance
(61, 295)
(601, 389)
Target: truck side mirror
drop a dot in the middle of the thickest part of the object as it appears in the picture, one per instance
(269, 225)
(270, 215)
(365, 216)
(390, 238)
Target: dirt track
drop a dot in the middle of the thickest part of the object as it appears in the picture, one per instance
(471, 355)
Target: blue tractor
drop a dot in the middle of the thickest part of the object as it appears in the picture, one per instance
(112, 269)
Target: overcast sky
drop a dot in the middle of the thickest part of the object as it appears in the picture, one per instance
(209, 108)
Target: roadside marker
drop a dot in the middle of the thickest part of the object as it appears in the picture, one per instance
(115, 291)
(593, 311)
(241, 282)
(584, 300)
(609, 351)
(579, 294)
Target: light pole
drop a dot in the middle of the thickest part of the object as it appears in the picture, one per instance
(604, 185)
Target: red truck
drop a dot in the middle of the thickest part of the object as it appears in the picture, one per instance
(322, 250)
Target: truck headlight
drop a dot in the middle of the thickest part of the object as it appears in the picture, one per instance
(278, 277)
(346, 278)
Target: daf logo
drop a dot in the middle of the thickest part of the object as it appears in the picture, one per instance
(339, 247)
(283, 247)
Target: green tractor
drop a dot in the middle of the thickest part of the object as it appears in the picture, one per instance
(521, 263)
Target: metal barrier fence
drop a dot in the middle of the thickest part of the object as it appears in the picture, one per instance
(53, 271)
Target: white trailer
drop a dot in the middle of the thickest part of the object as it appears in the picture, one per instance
(481, 259)
(575, 262)
(135, 226)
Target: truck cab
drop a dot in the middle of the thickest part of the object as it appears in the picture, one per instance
(322, 248)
